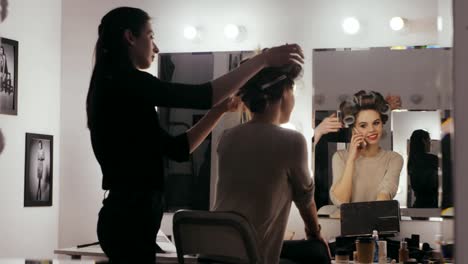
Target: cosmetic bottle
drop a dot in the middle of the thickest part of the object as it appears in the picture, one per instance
(375, 237)
(403, 253)
(382, 252)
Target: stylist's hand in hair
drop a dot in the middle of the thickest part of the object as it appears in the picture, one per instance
(282, 55)
(328, 125)
(230, 104)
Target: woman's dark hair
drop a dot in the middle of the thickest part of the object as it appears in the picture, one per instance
(364, 100)
(111, 51)
(111, 47)
(268, 86)
(418, 144)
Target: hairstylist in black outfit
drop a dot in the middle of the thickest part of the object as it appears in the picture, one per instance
(423, 170)
(127, 139)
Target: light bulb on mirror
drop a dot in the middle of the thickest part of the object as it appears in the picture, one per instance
(440, 23)
(351, 25)
(231, 31)
(397, 23)
(191, 32)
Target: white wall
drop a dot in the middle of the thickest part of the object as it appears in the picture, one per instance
(31, 231)
(313, 24)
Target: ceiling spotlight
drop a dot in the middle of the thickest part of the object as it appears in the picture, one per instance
(397, 23)
(231, 31)
(190, 32)
(351, 25)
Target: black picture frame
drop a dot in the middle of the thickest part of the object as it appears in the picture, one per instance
(38, 172)
(9, 77)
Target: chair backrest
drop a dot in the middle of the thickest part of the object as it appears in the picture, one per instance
(225, 237)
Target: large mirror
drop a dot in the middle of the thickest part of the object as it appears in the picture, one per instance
(416, 81)
(420, 77)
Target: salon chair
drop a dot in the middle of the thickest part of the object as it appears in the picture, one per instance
(216, 237)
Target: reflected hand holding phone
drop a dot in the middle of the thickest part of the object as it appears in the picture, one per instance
(363, 144)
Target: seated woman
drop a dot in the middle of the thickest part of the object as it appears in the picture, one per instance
(422, 170)
(264, 167)
(365, 171)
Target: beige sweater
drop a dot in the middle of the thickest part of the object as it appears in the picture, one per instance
(262, 169)
(372, 175)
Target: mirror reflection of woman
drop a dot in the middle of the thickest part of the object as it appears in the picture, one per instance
(365, 171)
(423, 170)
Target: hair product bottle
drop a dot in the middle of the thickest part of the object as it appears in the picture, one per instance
(403, 253)
(375, 237)
(382, 252)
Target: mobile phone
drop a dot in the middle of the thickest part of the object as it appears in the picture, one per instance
(363, 144)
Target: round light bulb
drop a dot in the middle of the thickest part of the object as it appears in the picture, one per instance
(397, 23)
(440, 23)
(231, 31)
(190, 32)
(351, 25)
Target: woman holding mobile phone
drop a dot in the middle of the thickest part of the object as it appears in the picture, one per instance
(365, 171)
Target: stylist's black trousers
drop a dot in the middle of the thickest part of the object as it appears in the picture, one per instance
(128, 224)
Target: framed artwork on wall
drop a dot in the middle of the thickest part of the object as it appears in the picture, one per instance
(38, 170)
(8, 76)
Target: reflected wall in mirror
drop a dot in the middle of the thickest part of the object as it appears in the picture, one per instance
(189, 184)
(415, 81)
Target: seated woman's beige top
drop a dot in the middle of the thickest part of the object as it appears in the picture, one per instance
(372, 175)
(263, 168)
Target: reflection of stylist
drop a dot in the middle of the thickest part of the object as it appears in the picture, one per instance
(330, 124)
(365, 172)
(40, 169)
(422, 170)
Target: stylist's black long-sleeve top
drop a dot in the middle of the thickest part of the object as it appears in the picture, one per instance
(126, 136)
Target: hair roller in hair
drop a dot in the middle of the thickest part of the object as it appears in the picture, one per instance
(348, 120)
